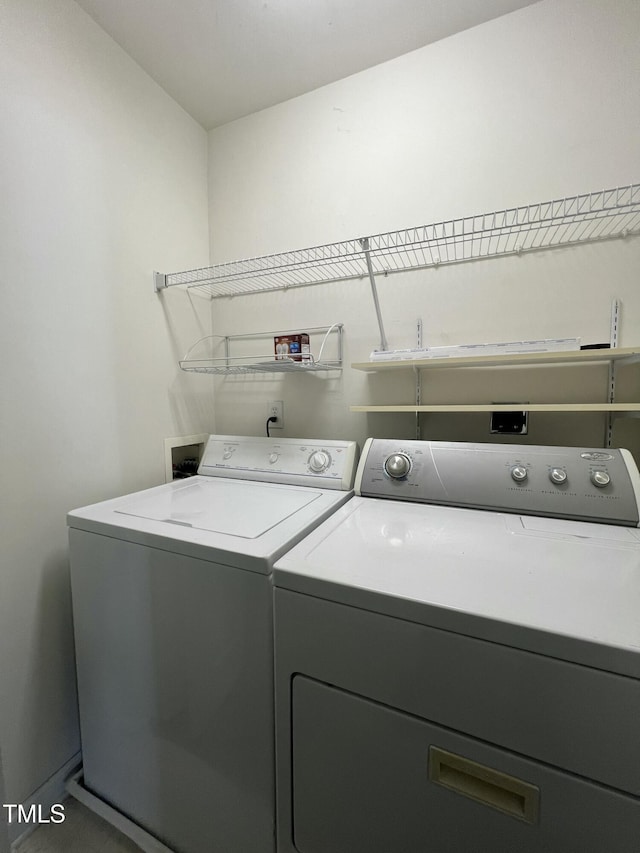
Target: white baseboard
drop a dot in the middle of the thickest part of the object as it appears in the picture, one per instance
(4, 834)
(51, 792)
(146, 842)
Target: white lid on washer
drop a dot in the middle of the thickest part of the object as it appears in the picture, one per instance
(239, 508)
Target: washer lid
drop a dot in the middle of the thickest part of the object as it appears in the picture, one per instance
(242, 509)
(233, 522)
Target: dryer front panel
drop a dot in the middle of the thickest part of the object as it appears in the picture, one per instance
(368, 777)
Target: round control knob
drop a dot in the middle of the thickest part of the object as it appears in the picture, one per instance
(519, 473)
(319, 461)
(274, 457)
(397, 465)
(558, 476)
(600, 479)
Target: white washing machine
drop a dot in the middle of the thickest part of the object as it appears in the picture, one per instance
(458, 656)
(172, 605)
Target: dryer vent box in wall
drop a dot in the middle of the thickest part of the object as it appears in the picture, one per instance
(182, 455)
(509, 423)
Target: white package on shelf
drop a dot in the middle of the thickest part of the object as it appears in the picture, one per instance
(468, 350)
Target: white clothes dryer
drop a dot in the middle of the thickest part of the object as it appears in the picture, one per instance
(458, 656)
(172, 606)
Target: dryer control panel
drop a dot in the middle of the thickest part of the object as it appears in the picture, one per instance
(328, 464)
(587, 484)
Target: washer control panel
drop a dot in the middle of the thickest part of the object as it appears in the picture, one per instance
(564, 482)
(328, 464)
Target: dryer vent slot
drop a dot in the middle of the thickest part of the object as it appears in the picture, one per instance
(484, 784)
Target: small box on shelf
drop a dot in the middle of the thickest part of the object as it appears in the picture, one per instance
(295, 347)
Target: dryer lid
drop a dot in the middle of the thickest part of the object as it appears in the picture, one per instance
(242, 509)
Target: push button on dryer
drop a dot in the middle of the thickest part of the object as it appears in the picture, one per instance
(519, 473)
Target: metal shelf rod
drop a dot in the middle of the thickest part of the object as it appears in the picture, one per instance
(374, 293)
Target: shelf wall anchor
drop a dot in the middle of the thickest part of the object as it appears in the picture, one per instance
(159, 281)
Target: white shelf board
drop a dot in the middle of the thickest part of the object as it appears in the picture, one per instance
(530, 359)
(505, 407)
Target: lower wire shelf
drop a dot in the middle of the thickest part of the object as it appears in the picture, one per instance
(200, 358)
(239, 365)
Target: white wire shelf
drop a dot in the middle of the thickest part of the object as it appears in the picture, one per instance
(262, 364)
(600, 215)
(199, 358)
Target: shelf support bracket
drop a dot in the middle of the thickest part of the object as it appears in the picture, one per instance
(418, 378)
(364, 242)
(611, 390)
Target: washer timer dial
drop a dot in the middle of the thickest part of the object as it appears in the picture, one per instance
(319, 461)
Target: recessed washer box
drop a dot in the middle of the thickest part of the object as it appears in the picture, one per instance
(181, 448)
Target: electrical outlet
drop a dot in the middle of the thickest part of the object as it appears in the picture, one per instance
(275, 409)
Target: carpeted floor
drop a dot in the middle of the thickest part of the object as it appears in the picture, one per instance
(81, 832)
